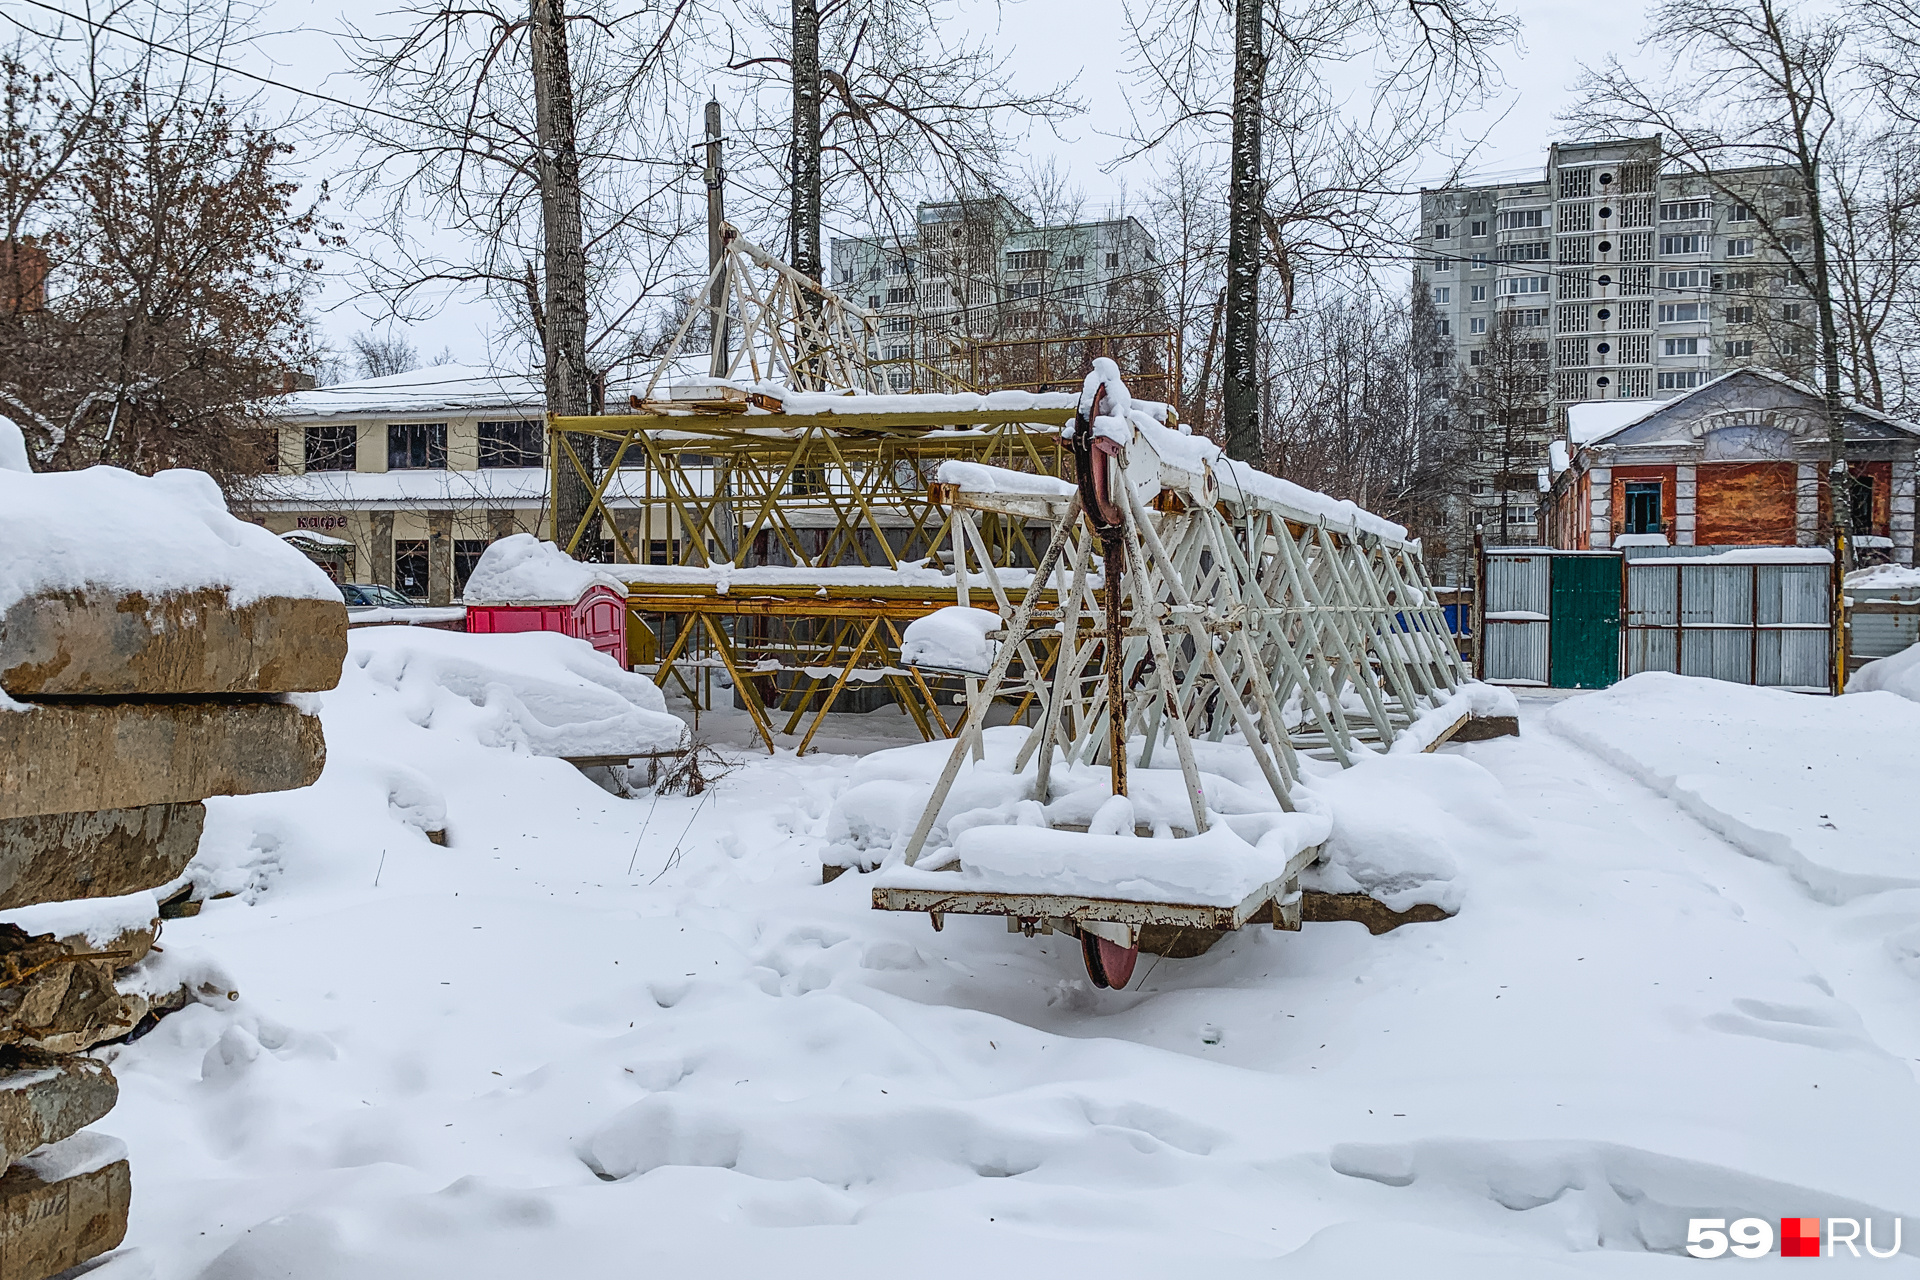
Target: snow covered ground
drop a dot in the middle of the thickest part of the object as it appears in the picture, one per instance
(595, 1036)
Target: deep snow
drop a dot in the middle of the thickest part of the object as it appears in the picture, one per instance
(596, 1036)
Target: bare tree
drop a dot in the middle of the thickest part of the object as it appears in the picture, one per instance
(1262, 71)
(170, 251)
(382, 357)
(865, 106)
(533, 141)
(1750, 82)
(1504, 398)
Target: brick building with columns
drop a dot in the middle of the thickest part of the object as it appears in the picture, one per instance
(1740, 461)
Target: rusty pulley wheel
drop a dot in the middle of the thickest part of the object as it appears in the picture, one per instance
(1108, 963)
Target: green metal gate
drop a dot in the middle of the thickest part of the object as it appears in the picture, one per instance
(1584, 636)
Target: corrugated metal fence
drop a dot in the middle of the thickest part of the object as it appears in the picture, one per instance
(1749, 622)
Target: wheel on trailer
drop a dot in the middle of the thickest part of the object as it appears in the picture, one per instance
(1108, 963)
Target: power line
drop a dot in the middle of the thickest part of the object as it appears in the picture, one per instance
(360, 107)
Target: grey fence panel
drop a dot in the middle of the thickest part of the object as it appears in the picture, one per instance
(1653, 595)
(1718, 653)
(1652, 649)
(1793, 658)
(1517, 651)
(1794, 595)
(1719, 594)
(1515, 647)
(1881, 635)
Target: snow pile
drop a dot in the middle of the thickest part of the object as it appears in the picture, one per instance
(1899, 673)
(99, 920)
(534, 691)
(521, 569)
(959, 403)
(104, 529)
(1472, 698)
(1838, 815)
(951, 639)
(13, 446)
(1405, 825)
(1896, 577)
(978, 477)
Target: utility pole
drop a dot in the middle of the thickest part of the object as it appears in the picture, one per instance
(1246, 192)
(716, 244)
(569, 386)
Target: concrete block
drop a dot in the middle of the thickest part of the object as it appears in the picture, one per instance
(46, 1099)
(68, 757)
(62, 1206)
(65, 1001)
(94, 644)
(104, 853)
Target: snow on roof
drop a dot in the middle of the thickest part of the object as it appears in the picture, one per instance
(439, 388)
(316, 539)
(498, 486)
(1594, 421)
(1557, 460)
(1597, 419)
(521, 569)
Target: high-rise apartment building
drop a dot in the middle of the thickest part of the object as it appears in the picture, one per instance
(1638, 281)
(974, 271)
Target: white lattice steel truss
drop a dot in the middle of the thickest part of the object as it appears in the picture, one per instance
(1236, 614)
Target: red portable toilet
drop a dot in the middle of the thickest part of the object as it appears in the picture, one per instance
(526, 588)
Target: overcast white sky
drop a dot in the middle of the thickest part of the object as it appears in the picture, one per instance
(1048, 40)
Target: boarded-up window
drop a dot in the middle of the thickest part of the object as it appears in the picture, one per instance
(1745, 505)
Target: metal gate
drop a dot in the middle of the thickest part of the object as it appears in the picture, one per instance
(1735, 616)
(1552, 618)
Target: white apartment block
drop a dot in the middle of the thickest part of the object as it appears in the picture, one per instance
(1644, 283)
(974, 271)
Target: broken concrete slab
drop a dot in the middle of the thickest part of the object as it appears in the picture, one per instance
(67, 757)
(45, 1099)
(62, 1205)
(61, 999)
(56, 857)
(98, 643)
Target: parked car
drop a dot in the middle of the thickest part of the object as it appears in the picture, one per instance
(367, 595)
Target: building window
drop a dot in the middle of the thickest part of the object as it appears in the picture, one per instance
(1736, 280)
(1530, 318)
(1792, 244)
(1519, 220)
(1443, 264)
(1739, 315)
(897, 352)
(1476, 293)
(410, 567)
(416, 444)
(1478, 228)
(1473, 357)
(1740, 247)
(1024, 289)
(1477, 325)
(1027, 260)
(466, 554)
(1643, 507)
(1443, 295)
(1680, 380)
(897, 324)
(1478, 261)
(1680, 346)
(1080, 291)
(331, 448)
(1685, 210)
(1740, 349)
(1670, 245)
(510, 444)
(1533, 251)
(1113, 260)
(1513, 285)
(1444, 326)
(1682, 312)
(899, 381)
(1686, 279)
(1520, 515)
(1791, 311)
(1076, 262)
(899, 297)
(1739, 213)
(1443, 231)
(1790, 208)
